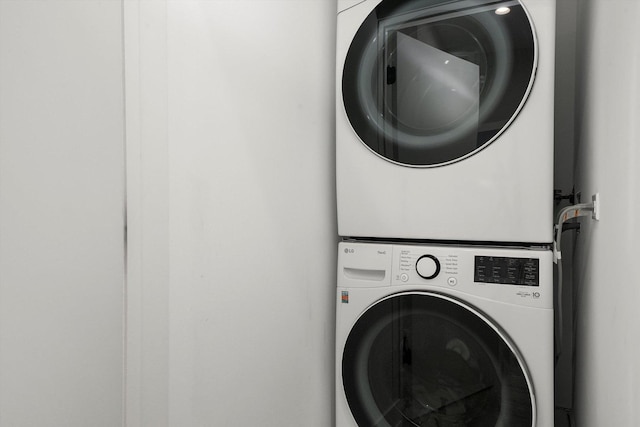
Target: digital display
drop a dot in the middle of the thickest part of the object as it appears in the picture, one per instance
(507, 271)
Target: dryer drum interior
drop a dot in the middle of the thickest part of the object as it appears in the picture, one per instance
(430, 82)
(423, 359)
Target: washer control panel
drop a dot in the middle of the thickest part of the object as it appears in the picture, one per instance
(507, 270)
(518, 275)
(412, 262)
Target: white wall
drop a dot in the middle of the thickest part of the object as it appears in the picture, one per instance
(231, 201)
(607, 285)
(61, 213)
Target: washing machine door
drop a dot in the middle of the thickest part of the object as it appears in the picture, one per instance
(431, 82)
(424, 359)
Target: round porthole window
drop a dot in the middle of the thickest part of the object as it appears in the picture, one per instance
(431, 82)
(423, 359)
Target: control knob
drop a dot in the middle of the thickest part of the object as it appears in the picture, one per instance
(427, 266)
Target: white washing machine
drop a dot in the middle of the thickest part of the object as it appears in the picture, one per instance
(444, 119)
(444, 336)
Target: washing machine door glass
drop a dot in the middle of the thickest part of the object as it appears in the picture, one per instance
(430, 82)
(423, 359)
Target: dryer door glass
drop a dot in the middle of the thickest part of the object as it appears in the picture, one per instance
(430, 82)
(423, 359)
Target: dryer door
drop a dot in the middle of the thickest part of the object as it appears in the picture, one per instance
(430, 82)
(424, 359)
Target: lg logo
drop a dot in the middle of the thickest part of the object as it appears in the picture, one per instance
(349, 250)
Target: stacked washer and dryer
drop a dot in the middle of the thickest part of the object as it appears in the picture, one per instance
(444, 143)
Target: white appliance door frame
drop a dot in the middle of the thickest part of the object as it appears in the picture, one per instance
(450, 365)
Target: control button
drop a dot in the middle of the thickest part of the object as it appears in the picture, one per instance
(452, 281)
(404, 277)
(428, 266)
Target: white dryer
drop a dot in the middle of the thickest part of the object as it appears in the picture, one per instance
(444, 336)
(444, 119)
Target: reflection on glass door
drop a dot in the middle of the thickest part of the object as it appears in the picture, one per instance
(430, 90)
